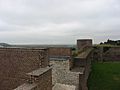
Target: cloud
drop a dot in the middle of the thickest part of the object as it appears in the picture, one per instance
(58, 21)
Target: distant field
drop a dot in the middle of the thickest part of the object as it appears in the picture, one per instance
(42, 46)
(104, 76)
(106, 45)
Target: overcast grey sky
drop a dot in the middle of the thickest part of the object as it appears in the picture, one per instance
(58, 21)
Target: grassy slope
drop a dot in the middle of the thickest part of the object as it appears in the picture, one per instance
(104, 76)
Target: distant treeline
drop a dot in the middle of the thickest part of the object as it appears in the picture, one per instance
(111, 42)
(5, 45)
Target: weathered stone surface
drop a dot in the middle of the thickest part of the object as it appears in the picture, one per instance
(62, 74)
(27, 86)
(60, 51)
(40, 79)
(83, 43)
(112, 54)
(16, 62)
(59, 86)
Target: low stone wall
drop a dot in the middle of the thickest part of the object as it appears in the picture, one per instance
(113, 54)
(84, 60)
(40, 79)
(44, 80)
(104, 54)
(79, 62)
(60, 51)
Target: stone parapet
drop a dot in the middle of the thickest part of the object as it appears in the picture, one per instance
(40, 79)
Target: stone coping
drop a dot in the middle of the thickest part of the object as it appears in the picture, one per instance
(84, 54)
(26, 86)
(59, 86)
(39, 71)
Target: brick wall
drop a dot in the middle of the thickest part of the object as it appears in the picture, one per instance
(15, 62)
(83, 60)
(45, 81)
(111, 54)
(82, 43)
(40, 79)
(57, 53)
(60, 51)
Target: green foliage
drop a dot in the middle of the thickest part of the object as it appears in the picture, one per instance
(111, 42)
(104, 76)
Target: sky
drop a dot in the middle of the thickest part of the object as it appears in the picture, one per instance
(58, 21)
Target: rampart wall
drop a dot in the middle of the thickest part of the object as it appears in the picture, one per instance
(84, 43)
(16, 62)
(104, 54)
(40, 79)
(60, 51)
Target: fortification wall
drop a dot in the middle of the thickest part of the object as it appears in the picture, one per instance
(40, 79)
(107, 54)
(15, 62)
(60, 51)
(83, 43)
(113, 54)
(104, 54)
(45, 81)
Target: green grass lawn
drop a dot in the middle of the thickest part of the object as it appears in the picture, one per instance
(104, 76)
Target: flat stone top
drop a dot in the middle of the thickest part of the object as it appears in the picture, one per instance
(84, 54)
(26, 86)
(39, 71)
(59, 86)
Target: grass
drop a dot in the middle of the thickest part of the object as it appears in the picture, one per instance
(104, 76)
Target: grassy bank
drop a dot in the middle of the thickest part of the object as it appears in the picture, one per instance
(104, 76)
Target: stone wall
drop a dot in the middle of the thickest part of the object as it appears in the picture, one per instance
(98, 54)
(15, 62)
(113, 54)
(79, 62)
(60, 51)
(45, 81)
(104, 54)
(83, 60)
(77, 75)
(83, 43)
(40, 79)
